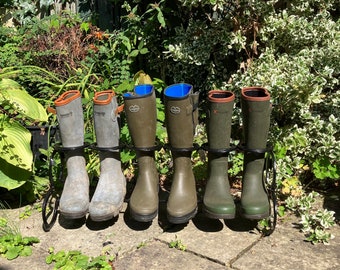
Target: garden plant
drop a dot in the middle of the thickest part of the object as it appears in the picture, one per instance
(289, 47)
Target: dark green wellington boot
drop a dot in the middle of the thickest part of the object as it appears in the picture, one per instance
(74, 200)
(217, 201)
(181, 118)
(256, 108)
(109, 195)
(141, 116)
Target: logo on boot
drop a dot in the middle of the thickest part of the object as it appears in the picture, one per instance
(175, 110)
(134, 108)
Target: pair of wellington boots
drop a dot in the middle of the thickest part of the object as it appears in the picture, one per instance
(110, 191)
(181, 117)
(217, 201)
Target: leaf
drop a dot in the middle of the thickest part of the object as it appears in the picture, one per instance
(49, 259)
(10, 182)
(11, 92)
(160, 17)
(26, 251)
(142, 78)
(141, 45)
(134, 53)
(144, 51)
(15, 144)
(12, 252)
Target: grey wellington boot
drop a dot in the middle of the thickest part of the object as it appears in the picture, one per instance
(217, 201)
(256, 108)
(181, 115)
(74, 200)
(109, 195)
(141, 116)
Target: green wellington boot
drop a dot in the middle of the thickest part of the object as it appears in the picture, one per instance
(109, 195)
(74, 200)
(141, 116)
(181, 115)
(217, 201)
(256, 108)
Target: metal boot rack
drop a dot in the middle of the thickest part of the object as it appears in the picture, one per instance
(51, 200)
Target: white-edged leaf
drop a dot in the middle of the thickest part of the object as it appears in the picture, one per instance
(15, 144)
(13, 94)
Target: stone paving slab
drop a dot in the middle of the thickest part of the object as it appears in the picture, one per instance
(210, 244)
(215, 239)
(287, 249)
(157, 255)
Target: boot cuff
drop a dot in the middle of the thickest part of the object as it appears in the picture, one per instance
(255, 93)
(139, 91)
(103, 97)
(67, 97)
(221, 96)
(178, 91)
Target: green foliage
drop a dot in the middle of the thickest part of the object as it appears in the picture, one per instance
(17, 106)
(322, 168)
(237, 165)
(12, 244)
(314, 221)
(177, 243)
(9, 47)
(76, 260)
(289, 48)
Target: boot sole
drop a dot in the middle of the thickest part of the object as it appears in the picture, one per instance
(256, 216)
(143, 218)
(182, 219)
(103, 218)
(212, 215)
(73, 215)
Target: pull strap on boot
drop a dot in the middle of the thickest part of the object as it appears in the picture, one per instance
(217, 201)
(141, 116)
(74, 200)
(109, 195)
(181, 118)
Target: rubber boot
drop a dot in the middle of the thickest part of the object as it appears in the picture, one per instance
(181, 118)
(109, 195)
(141, 116)
(256, 108)
(217, 201)
(74, 200)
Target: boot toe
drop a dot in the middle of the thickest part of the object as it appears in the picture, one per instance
(219, 211)
(255, 211)
(73, 209)
(103, 211)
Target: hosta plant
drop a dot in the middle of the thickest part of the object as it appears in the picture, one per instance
(17, 108)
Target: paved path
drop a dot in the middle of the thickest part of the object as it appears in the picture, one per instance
(209, 244)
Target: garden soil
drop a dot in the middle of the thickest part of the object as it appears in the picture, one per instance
(201, 244)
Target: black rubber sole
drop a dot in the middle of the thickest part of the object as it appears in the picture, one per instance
(143, 218)
(256, 216)
(212, 215)
(182, 219)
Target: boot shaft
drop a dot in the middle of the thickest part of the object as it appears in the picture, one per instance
(181, 114)
(256, 108)
(255, 102)
(106, 116)
(141, 115)
(70, 117)
(219, 115)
